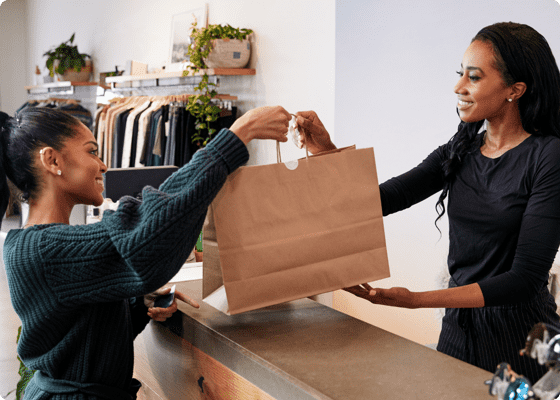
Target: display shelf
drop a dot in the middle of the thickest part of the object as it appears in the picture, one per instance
(84, 92)
(59, 88)
(180, 74)
(185, 79)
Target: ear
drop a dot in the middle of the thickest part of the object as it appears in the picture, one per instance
(49, 160)
(517, 90)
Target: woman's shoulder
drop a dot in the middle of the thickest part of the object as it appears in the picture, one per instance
(38, 241)
(546, 146)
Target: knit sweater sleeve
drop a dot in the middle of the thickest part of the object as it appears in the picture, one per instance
(414, 186)
(142, 245)
(539, 237)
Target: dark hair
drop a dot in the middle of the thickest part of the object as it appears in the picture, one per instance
(21, 137)
(521, 54)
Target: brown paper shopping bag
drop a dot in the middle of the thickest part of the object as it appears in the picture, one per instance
(290, 230)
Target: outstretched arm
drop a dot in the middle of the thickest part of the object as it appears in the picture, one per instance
(468, 296)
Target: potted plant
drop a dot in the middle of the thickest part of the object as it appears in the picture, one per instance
(198, 250)
(67, 62)
(25, 375)
(210, 47)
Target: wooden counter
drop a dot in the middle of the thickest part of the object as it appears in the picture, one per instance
(297, 350)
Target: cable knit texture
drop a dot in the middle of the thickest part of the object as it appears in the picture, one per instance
(77, 289)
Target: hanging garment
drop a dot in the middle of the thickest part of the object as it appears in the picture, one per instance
(131, 121)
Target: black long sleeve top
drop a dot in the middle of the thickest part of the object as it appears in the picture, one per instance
(504, 215)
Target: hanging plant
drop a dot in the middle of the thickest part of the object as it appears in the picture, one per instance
(200, 105)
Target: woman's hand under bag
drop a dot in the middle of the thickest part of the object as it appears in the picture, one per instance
(161, 314)
(313, 133)
(396, 297)
(262, 123)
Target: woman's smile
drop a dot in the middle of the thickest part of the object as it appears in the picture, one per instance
(462, 105)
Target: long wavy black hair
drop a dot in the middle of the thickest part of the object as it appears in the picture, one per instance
(521, 54)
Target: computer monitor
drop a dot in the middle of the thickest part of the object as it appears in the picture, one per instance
(121, 182)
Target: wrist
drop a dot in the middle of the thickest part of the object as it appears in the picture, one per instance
(416, 300)
(241, 132)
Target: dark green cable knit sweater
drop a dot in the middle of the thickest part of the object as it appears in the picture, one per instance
(78, 289)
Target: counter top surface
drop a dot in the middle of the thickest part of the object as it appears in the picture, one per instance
(323, 352)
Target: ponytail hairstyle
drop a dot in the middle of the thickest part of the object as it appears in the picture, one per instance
(21, 139)
(521, 54)
(4, 189)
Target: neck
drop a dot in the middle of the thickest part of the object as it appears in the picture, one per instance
(49, 209)
(505, 133)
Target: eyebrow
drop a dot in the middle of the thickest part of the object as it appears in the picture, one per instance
(469, 68)
(91, 142)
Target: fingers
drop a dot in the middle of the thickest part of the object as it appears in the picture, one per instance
(161, 292)
(357, 291)
(301, 141)
(311, 115)
(186, 299)
(161, 314)
(305, 123)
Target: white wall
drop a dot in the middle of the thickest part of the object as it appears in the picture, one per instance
(14, 65)
(294, 40)
(395, 72)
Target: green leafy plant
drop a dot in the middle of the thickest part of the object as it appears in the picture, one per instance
(68, 56)
(25, 375)
(200, 105)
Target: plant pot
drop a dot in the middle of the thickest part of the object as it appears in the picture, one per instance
(229, 53)
(70, 75)
(198, 256)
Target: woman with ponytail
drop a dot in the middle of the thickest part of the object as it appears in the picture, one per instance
(500, 176)
(84, 292)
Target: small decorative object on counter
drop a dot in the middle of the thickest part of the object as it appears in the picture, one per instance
(507, 385)
(542, 344)
(68, 63)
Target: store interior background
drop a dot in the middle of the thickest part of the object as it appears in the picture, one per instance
(378, 73)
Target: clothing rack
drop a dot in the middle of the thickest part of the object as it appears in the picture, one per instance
(84, 92)
(136, 131)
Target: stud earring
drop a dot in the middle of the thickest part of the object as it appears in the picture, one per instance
(59, 172)
(510, 100)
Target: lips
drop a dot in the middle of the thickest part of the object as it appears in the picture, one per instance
(461, 104)
(100, 183)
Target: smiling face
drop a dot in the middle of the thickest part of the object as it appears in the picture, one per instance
(482, 92)
(82, 171)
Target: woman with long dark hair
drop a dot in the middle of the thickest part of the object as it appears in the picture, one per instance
(500, 174)
(79, 290)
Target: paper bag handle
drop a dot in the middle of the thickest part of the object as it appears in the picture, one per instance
(278, 153)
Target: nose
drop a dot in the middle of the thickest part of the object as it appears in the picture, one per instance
(460, 86)
(103, 167)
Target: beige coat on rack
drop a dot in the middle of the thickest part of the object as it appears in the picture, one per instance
(123, 104)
